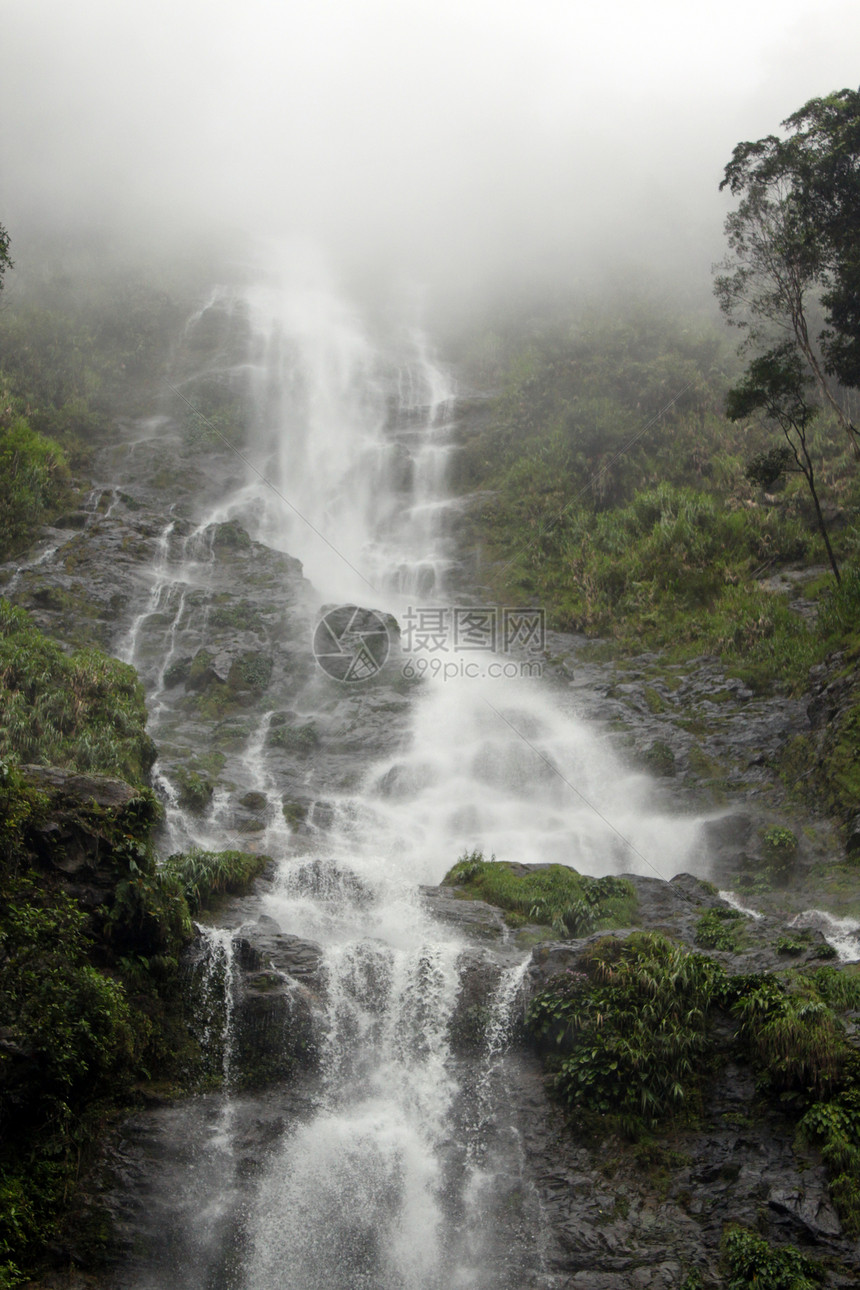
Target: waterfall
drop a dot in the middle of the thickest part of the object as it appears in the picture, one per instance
(397, 1171)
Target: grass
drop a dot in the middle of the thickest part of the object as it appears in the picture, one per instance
(83, 710)
(555, 896)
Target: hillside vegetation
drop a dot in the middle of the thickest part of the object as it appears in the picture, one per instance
(612, 490)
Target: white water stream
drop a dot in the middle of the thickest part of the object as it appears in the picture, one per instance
(348, 445)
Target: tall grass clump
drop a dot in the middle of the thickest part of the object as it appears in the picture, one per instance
(203, 875)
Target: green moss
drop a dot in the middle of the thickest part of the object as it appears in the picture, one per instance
(568, 902)
(655, 701)
(295, 813)
(659, 759)
(194, 790)
(299, 739)
(230, 536)
(703, 766)
(252, 671)
(237, 614)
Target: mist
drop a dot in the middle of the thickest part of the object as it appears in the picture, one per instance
(467, 147)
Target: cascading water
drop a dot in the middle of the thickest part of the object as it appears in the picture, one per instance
(345, 469)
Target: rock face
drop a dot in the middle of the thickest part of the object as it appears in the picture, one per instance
(78, 839)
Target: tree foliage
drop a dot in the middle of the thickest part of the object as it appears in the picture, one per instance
(792, 245)
(6, 261)
(776, 383)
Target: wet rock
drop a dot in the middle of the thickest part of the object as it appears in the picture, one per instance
(474, 918)
(479, 978)
(99, 790)
(274, 1028)
(262, 945)
(75, 838)
(829, 697)
(808, 1208)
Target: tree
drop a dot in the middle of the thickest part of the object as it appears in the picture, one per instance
(792, 243)
(775, 383)
(828, 132)
(5, 258)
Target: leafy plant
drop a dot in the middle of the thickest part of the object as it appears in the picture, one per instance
(796, 1040)
(631, 1029)
(717, 929)
(835, 1127)
(752, 1261)
(83, 710)
(34, 477)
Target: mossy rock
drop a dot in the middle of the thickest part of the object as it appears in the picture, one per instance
(253, 671)
(195, 790)
(659, 759)
(230, 536)
(295, 813)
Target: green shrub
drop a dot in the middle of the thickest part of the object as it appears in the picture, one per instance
(835, 1127)
(34, 477)
(795, 1039)
(717, 929)
(752, 1261)
(790, 946)
(840, 987)
(630, 1029)
(71, 1018)
(194, 790)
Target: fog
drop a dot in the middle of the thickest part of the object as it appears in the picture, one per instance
(457, 144)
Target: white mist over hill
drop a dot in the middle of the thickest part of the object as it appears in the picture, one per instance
(447, 143)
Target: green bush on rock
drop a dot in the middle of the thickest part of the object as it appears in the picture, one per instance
(34, 477)
(554, 895)
(717, 929)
